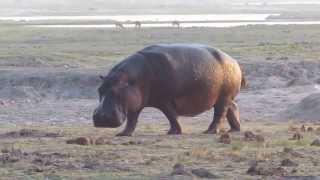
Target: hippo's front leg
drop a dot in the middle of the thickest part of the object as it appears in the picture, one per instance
(131, 124)
(172, 116)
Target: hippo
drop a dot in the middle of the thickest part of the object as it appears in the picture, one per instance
(177, 79)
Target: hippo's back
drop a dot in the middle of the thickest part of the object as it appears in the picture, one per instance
(201, 73)
(187, 53)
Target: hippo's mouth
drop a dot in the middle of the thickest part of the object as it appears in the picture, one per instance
(102, 122)
(115, 120)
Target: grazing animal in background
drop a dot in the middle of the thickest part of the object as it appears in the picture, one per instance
(137, 24)
(177, 79)
(119, 25)
(176, 24)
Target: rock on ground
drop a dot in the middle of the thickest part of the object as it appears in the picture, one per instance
(316, 142)
(307, 109)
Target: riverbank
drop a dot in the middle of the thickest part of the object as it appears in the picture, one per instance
(48, 64)
(48, 91)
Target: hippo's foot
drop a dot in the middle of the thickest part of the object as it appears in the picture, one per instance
(211, 131)
(124, 134)
(174, 132)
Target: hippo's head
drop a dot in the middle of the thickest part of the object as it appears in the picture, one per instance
(118, 95)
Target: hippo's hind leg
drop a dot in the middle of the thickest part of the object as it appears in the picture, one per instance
(220, 113)
(131, 124)
(233, 117)
(170, 112)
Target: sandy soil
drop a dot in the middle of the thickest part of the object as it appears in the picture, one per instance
(55, 94)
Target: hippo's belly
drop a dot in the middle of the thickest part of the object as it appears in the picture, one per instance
(197, 102)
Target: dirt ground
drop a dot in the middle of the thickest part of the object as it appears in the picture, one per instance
(48, 88)
(41, 152)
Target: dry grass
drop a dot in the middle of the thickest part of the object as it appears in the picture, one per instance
(147, 154)
(150, 153)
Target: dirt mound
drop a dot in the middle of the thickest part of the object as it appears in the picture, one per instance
(265, 75)
(307, 109)
(53, 84)
(203, 173)
(250, 136)
(266, 170)
(225, 138)
(34, 83)
(288, 162)
(180, 170)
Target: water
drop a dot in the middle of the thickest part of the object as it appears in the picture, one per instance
(184, 25)
(196, 20)
(278, 3)
(158, 18)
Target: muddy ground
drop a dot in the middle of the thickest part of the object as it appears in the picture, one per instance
(49, 79)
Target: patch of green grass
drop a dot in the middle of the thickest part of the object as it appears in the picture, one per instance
(305, 142)
(92, 48)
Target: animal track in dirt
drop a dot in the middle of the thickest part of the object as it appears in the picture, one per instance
(37, 158)
(37, 162)
(47, 159)
(30, 133)
(10, 156)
